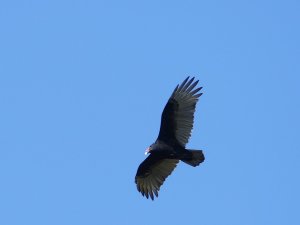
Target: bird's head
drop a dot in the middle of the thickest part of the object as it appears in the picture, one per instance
(149, 149)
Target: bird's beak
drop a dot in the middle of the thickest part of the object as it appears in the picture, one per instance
(147, 151)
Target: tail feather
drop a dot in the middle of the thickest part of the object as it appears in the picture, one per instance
(197, 157)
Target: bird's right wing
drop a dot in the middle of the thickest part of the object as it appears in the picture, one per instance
(152, 173)
(178, 115)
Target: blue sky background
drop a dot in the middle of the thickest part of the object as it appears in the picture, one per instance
(82, 88)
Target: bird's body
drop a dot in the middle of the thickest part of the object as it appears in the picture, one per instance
(169, 148)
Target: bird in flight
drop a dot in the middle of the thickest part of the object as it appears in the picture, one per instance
(169, 148)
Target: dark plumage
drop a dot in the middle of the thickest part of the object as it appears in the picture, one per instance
(169, 148)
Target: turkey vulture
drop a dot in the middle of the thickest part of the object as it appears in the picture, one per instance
(169, 148)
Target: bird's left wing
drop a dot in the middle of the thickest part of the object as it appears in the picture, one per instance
(152, 173)
(178, 115)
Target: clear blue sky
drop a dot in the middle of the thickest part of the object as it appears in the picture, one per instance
(82, 88)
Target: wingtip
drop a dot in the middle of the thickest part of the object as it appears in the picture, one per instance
(198, 95)
(182, 85)
(176, 88)
(151, 196)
